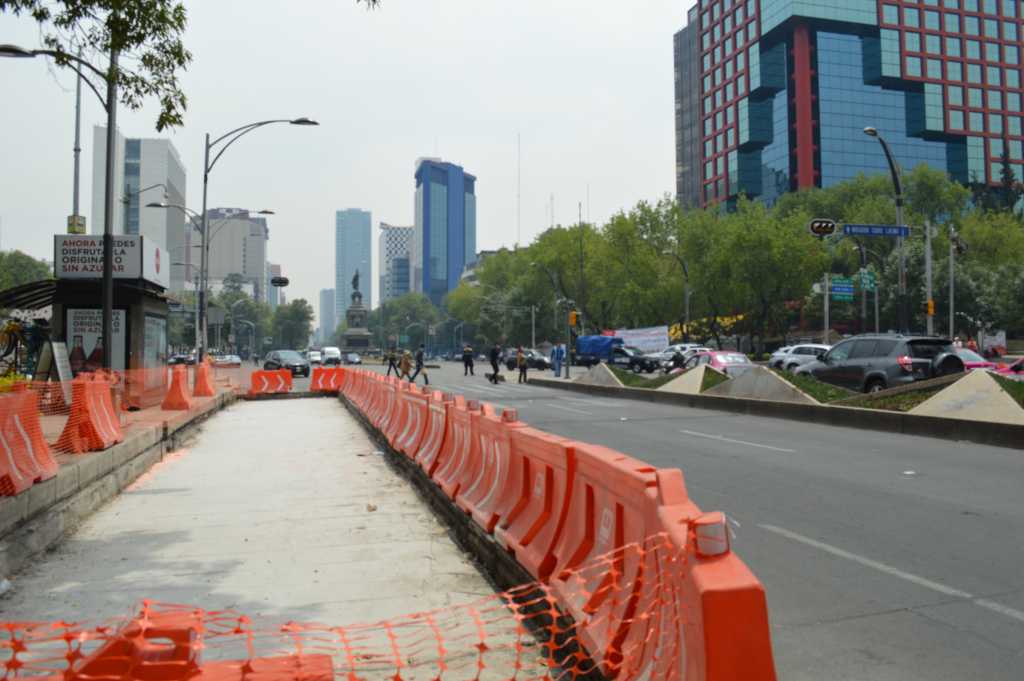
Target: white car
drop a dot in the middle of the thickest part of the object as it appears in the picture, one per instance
(314, 357)
(797, 355)
(330, 355)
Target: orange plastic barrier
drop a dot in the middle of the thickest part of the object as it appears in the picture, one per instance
(204, 381)
(542, 467)
(394, 416)
(25, 457)
(270, 382)
(326, 379)
(177, 397)
(490, 488)
(93, 424)
(437, 416)
(459, 449)
(378, 401)
(415, 426)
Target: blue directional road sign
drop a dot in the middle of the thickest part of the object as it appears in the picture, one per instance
(876, 230)
(842, 288)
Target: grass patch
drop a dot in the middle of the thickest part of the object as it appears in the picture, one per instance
(1014, 389)
(819, 390)
(901, 402)
(632, 380)
(711, 379)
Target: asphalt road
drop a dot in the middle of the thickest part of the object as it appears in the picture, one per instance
(884, 556)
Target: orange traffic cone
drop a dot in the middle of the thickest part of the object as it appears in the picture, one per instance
(177, 397)
(204, 382)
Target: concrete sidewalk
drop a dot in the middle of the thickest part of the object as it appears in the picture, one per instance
(282, 509)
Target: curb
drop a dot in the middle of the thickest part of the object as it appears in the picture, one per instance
(978, 432)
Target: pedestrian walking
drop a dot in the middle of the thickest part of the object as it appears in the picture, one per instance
(392, 358)
(420, 368)
(521, 364)
(467, 360)
(405, 365)
(495, 358)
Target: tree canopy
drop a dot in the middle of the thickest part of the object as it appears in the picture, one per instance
(17, 268)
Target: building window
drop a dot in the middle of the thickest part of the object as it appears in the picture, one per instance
(951, 4)
(931, 20)
(1009, 31)
(995, 99)
(1011, 54)
(1009, 8)
(1013, 125)
(935, 69)
(971, 26)
(933, 44)
(911, 17)
(974, 98)
(890, 14)
(991, 28)
(954, 71)
(974, 73)
(973, 49)
(956, 120)
(1012, 78)
(992, 51)
(952, 23)
(956, 95)
(992, 75)
(990, 7)
(914, 67)
(912, 42)
(977, 122)
(995, 123)
(971, 5)
(953, 47)
(1012, 101)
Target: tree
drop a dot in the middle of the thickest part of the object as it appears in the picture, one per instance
(17, 268)
(293, 323)
(145, 33)
(234, 282)
(395, 316)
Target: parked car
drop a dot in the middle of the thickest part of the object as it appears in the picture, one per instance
(793, 356)
(227, 361)
(973, 360)
(730, 362)
(182, 359)
(353, 358)
(330, 355)
(534, 359)
(671, 363)
(875, 362)
(287, 359)
(314, 357)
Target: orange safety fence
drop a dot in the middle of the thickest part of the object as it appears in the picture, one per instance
(682, 607)
(521, 633)
(270, 382)
(50, 422)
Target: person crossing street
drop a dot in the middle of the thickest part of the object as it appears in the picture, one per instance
(420, 368)
(495, 358)
(392, 362)
(467, 360)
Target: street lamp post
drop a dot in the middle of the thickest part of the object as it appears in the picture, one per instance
(110, 104)
(228, 139)
(897, 184)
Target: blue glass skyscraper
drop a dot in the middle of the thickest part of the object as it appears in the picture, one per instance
(444, 237)
(353, 237)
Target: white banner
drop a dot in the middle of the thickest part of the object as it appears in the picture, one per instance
(651, 339)
(84, 332)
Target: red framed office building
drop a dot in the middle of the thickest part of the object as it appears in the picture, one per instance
(773, 95)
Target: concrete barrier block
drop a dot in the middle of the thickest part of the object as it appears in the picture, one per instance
(88, 468)
(67, 481)
(41, 496)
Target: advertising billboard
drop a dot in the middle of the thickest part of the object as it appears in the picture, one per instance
(135, 257)
(85, 338)
(650, 339)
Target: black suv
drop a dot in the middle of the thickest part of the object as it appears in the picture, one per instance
(874, 362)
(287, 359)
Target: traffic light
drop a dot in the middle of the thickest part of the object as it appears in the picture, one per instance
(572, 318)
(931, 308)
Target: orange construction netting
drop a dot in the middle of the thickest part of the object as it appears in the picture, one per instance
(625, 628)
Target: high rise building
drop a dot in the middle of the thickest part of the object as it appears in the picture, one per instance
(353, 244)
(238, 245)
(145, 164)
(394, 249)
(328, 316)
(784, 89)
(444, 237)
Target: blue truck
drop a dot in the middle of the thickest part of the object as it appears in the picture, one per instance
(591, 350)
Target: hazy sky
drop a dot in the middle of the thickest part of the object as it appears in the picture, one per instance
(588, 84)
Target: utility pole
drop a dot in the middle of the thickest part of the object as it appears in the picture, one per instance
(824, 290)
(952, 285)
(876, 308)
(583, 282)
(108, 217)
(78, 143)
(519, 188)
(928, 277)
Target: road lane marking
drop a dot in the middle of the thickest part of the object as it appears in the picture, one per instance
(575, 411)
(737, 442)
(896, 572)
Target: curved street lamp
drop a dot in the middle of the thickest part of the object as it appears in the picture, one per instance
(227, 139)
(901, 287)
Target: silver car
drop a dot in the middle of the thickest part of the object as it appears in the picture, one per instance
(797, 355)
